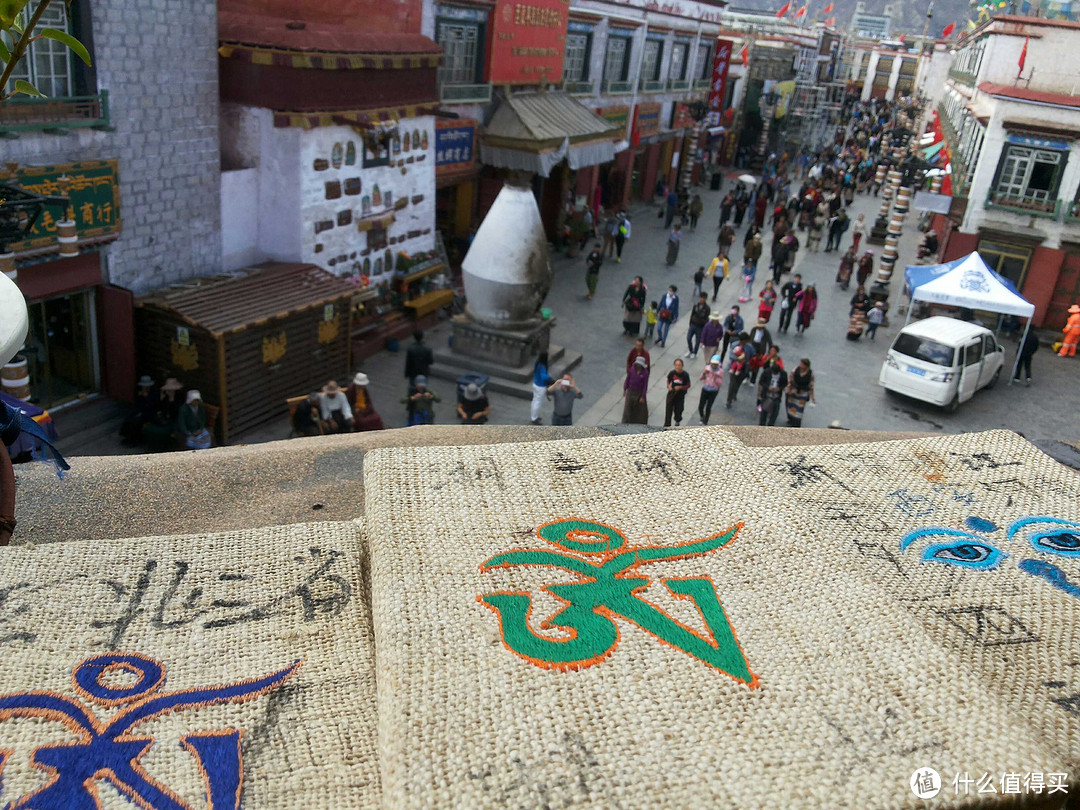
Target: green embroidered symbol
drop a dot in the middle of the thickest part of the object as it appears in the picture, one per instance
(609, 590)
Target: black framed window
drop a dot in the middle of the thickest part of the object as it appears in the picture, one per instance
(576, 61)
(1011, 261)
(680, 51)
(705, 60)
(617, 58)
(650, 61)
(1029, 177)
(463, 51)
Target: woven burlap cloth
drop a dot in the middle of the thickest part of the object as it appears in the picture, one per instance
(748, 668)
(191, 646)
(976, 536)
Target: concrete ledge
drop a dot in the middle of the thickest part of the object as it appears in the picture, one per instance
(271, 484)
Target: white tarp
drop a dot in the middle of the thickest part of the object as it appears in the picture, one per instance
(971, 284)
(938, 203)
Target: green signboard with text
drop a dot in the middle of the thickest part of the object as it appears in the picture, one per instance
(95, 200)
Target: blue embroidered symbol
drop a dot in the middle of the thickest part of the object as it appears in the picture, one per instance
(112, 751)
(969, 550)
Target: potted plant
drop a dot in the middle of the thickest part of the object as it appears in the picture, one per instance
(576, 231)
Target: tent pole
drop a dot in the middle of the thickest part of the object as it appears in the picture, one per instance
(1016, 362)
(910, 306)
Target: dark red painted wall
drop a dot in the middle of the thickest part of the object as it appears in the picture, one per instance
(281, 88)
(373, 15)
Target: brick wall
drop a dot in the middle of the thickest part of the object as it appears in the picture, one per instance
(158, 60)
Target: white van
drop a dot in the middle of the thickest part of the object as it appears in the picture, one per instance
(942, 361)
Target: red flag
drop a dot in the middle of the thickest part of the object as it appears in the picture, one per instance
(784, 10)
(901, 38)
(801, 11)
(1023, 57)
(827, 9)
(744, 54)
(947, 31)
(830, 22)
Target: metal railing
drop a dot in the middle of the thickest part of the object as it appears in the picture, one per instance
(653, 86)
(584, 88)
(614, 88)
(679, 85)
(465, 93)
(23, 114)
(1024, 205)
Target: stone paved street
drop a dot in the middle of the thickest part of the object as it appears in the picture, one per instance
(846, 372)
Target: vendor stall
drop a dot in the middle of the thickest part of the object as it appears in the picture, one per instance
(249, 340)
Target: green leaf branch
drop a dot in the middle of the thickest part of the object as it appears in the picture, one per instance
(10, 11)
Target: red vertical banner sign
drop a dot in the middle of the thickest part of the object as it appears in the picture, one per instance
(719, 74)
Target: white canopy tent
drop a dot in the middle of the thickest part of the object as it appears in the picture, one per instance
(969, 283)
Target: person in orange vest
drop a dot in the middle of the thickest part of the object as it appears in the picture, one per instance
(1072, 333)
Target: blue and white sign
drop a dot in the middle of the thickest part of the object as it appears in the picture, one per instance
(1038, 143)
(454, 144)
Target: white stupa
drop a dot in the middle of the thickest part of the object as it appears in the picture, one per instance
(507, 271)
(13, 319)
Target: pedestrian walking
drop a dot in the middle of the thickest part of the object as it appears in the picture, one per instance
(678, 383)
(712, 334)
(418, 358)
(866, 267)
(667, 315)
(724, 240)
(1027, 351)
(847, 267)
(635, 388)
(639, 350)
(742, 202)
(726, 205)
(651, 318)
(774, 381)
(699, 279)
(592, 273)
(622, 234)
(788, 295)
(563, 392)
(749, 271)
(741, 355)
(792, 242)
(609, 229)
(778, 258)
(874, 318)
(696, 207)
(860, 305)
(733, 325)
(541, 380)
(807, 305)
(672, 206)
(699, 316)
(673, 240)
(761, 341)
(800, 390)
(633, 302)
(711, 380)
(768, 302)
(752, 249)
(837, 225)
(858, 231)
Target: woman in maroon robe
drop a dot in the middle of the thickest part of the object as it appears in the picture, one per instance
(364, 416)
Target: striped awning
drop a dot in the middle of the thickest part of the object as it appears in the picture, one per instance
(363, 119)
(329, 61)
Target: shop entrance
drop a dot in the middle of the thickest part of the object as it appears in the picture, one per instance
(61, 349)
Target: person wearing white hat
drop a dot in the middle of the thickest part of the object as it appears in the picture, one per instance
(711, 380)
(335, 409)
(473, 406)
(359, 396)
(192, 422)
